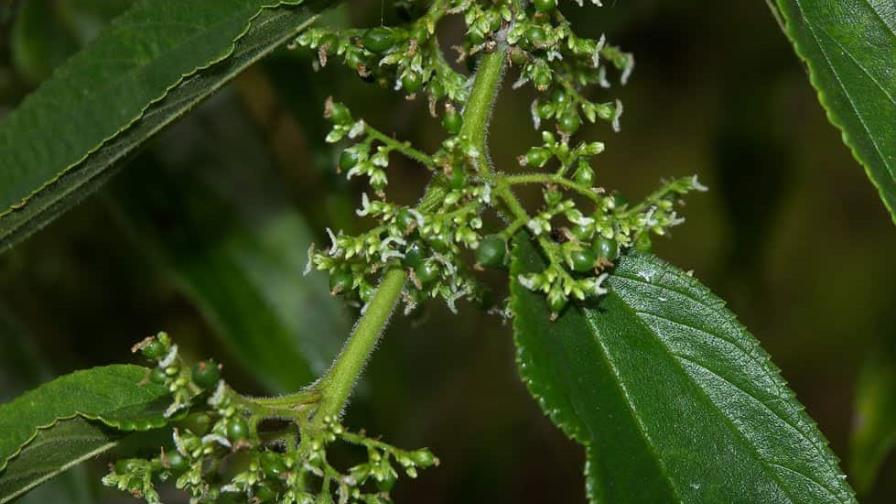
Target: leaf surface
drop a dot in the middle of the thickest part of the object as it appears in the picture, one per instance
(673, 399)
(53, 451)
(850, 49)
(118, 396)
(148, 68)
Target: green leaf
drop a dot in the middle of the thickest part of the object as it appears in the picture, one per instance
(118, 396)
(39, 41)
(148, 68)
(214, 216)
(850, 49)
(874, 433)
(52, 452)
(674, 400)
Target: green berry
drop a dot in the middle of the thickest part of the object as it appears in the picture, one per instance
(583, 232)
(427, 272)
(584, 175)
(606, 248)
(206, 374)
(412, 82)
(237, 429)
(379, 40)
(175, 462)
(406, 221)
(272, 464)
(518, 56)
(154, 350)
(536, 36)
(440, 242)
(491, 251)
(452, 121)
(569, 122)
(198, 423)
(158, 376)
(423, 458)
(413, 256)
(126, 466)
(348, 159)
(583, 260)
(557, 304)
(341, 281)
(544, 5)
(537, 157)
(644, 243)
(340, 114)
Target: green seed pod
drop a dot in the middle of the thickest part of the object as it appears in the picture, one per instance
(379, 40)
(340, 114)
(412, 82)
(583, 260)
(206, 374)
(154, 350)
(491, 251)
(175, 462)
(198, 423)
(537, 157)
(536, 36)
(158, 376)
(518, 56)
(584, 175)
(272, 464)
(406, 221)
(557, 304)
(413, 256)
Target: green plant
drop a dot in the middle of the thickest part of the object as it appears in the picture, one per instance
(672, 399)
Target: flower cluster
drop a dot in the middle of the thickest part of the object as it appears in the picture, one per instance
(581, 228)
(222, 451)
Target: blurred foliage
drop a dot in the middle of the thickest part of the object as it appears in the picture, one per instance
(791, 235)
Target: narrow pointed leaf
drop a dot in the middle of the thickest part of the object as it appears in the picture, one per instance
(674, 400)
(850, 49)
(149, 67)
(118, 396)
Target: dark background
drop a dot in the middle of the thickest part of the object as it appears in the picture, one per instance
(792, 234)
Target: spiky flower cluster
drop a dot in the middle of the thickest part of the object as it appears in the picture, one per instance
(581, 228)
(221, 449)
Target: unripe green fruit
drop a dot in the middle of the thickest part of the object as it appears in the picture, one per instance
(544, 5)
(206, 374)
(175, 462)
(340, 281)
(386, 484)
(440, 242)
(125, 466)
(198, 423)
(158, 376)
(340, 114)
(491, 251)
(412, 82)
(427, 272)
(264, 493)
(537, 157)
(154, 350)
(272, 464)
(644, 243)
(458, 179)
(583, 260)
(413, 256)
(557, 304)
(237, 429)
(606, 248)
(423, 458)
(452, 121)
(348, 159)
(569, 122)
(406, 221)
(536, 36)
(379, 40)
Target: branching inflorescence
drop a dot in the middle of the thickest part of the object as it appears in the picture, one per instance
(222, 446)
(581, 228)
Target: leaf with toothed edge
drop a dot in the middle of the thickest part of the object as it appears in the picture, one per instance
(54, 146)
(118, 396)
(673, 399)
(849, 47)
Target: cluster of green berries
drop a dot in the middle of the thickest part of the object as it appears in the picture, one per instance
(581, 228)
(220, 450)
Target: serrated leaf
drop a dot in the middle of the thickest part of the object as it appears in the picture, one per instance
(874, 432)
(850, 49)
(53, 451)
(118, 396)
(214, 216)
(674, 400)
(149, 67)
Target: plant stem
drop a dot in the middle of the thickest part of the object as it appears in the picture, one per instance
(544, 178)
(402, 147)
(337, 384)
